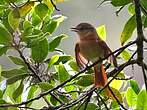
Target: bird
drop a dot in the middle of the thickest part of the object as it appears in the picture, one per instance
(91, 48)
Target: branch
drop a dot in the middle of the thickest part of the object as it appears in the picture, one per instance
(140, 36)
(54, 5)
(144, 75)
(88, 67)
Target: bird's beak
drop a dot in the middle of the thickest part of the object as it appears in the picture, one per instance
(74, 29)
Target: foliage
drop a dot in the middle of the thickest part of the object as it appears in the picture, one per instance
(48, 74)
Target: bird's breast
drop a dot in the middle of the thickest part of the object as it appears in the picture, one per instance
(91, 50)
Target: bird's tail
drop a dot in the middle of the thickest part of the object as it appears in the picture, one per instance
(100, 77)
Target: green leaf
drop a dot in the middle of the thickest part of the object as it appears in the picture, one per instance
(50, 27)
(55, 42)
(13, 72)
(53, 101)
(120, 2)
(73, 65)
(145, 22)
(134, 86)
(27, 25)
(126, 55)
(53, 60)
(31, 93)
(25, 9)
(45, 86)
(53, 24)
(128, 30)
(40, 50)
(5, 36)
(101, 31)
(41, 10)
(35, 19)
(63, 74)
(17, 93)
(131, 9)
(3, 50)
(144, 3)
(17, 61)
(115, 106)
(85, 80)
(1, 94)
(3, 102)
(63, 59)
(90, 106)
(131, 97)
(12, 80)
(142, 100)
(14, 18)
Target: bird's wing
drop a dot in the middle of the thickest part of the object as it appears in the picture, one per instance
(108, 51)
(81, 61)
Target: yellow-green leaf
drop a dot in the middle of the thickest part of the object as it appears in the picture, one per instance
(128, 30)
(25, 9)
(14, 18)
(101, 31)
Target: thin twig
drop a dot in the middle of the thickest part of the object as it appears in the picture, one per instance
(144, 75)
(102, 101)
(124, 78)
(116, 98)
(54, 5)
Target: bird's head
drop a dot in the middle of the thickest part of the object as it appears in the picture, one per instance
(84, 29)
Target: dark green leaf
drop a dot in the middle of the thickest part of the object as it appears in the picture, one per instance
(17, 61)
(85, 80)
(45, 86)
(17, 93)
(53, 60)
(145, 22)
(142, 100)
(131, 97)
(128, 30)
(1, 94)
(3, 102)
(53, 101)
(144, 3)
(41, 10)
(40, 50)
(55, 42)
(5, 36)
(90, 106)
(12, 80)
(120, 2)
(14, 18)
(134, 86)
(13, 72)
(3, 50)
(62, 73)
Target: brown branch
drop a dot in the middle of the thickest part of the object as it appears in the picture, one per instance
(140, 36)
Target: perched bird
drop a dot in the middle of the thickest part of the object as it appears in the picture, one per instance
(91, 48)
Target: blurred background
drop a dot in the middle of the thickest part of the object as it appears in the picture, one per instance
(78, 11)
